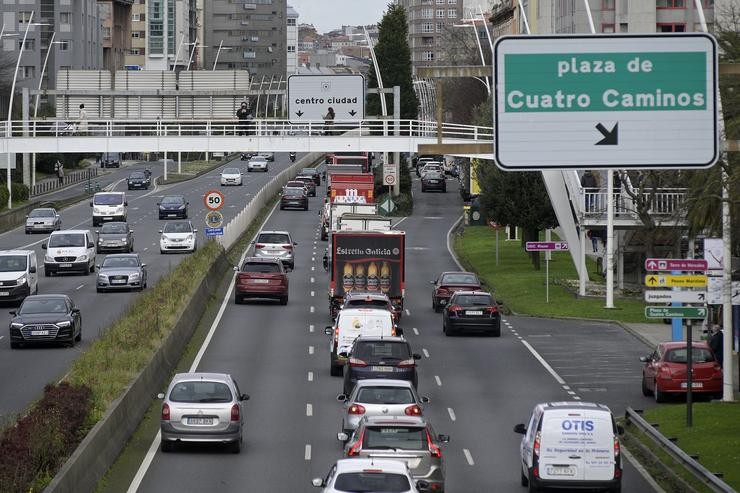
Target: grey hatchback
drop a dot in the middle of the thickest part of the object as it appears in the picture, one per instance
(202, 407)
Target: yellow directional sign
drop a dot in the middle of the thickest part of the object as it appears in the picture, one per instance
(683, 281)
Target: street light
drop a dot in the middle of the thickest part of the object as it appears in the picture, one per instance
(177, 53)
(220, 47)
(480, 49)
(192, 52)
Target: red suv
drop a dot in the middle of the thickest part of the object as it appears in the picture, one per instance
(261, 278)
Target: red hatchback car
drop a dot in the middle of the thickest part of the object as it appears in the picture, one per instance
(261, 278)
(665, 373)
(449, 282)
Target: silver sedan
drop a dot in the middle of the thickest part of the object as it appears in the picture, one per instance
(43, 219)
(257, 163)
(380, 397)
(121, 272)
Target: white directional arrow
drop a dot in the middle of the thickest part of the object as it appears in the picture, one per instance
(665, 296)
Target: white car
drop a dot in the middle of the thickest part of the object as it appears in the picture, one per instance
(432, 166)
(359, 474)
(178, 236)
(231, 176)
(257, 163)
(270, 156)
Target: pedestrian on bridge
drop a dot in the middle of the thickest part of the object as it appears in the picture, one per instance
(82, 121)
(60, 172)
(329, 121)
(244, 114)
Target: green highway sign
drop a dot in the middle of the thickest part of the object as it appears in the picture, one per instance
(603, 101)
(387, 206)
(675, 312)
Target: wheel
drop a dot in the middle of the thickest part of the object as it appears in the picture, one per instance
(659, 396)
(166, 446)
(14, 345)
(496, 332)
(47, 273)
(162, 252)
(28, 232)
(616, 489)
(645, 390)
(98, 290)
(36, 290)
(283, 300)
(236, 447)
(336, 370)
(92, 267)
(78, 338)
(423, 190)
(532, 487)
(237, 299)
(249, 170)
(524, 479)
(97, 250)
(281, 207)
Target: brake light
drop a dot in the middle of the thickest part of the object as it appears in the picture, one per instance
(235, 412)
(354, 450)
(357, 362)
(491, 309)
(617, 448)
(165, 412)
(336, 336)
(356, 409)
(257, 246)
(434, 450)
(453, 309)
(442, 291)
(288, 247)
(407, 363)
(536, 448)
(412, 410)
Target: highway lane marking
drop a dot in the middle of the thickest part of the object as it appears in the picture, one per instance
(313, 280)
(310, 349)
(566, 387)
(438, 380)
(468, 457)
(426, 353)
(543, 362)
(1, 337)
(307, 453)
(79, 287)
(452, 414)
(311, 328)
(314, 294)
(309, 409)
(313, 259)
(313, 269)
(310, 376)
(408, 313)
(146, 248)
(399, 222)
(416, 331)
(149, 457)
(312, 309)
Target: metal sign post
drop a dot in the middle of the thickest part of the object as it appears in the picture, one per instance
(547, 246)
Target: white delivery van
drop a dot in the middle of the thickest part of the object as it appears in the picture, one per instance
(109, 206)
(69, 250)
(18, 277)
(352, 323)
(571, 445)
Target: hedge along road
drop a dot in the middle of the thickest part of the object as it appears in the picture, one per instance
(25, 371)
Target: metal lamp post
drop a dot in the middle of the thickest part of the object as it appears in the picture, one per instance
(192, 52)
(220, 47)
(38, 95)
(480, 48)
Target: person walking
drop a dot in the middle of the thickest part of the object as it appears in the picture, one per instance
(588, 182)
(329, 121)
(60, 173)
(716, 343)
(243, 114)
(82, 121)
(594, 240)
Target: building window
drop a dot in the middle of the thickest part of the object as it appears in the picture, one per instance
(291, 22)
(440, 25)
(427, 27)
(440, 12)
(427, 13)
(28, 72)
(65, 17)
(452, 2)
(30, 44)
(134, 34)
(708, 4)
(608, 4)
(24, 17)
(291, 49)
(670, 4)
(63, 46)
(134, 51)
(427, 56)
(106, 32)
(607, 28)
(671, 28)
(452, 13)
(135, 17)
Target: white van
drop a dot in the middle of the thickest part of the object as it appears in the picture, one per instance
(571, 445)
(18, 277)
(69, 250)
(109, 206)
(352, 323)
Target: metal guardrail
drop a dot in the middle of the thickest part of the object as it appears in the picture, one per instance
(665, 202)
(74, 177)
(253, 128)
(702, 473)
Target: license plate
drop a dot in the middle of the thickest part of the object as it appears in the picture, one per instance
(259, 281)
(200, 421)
(39, 332)
(171, 215)
(474, 312)
(385, 369)
(65, 266)
(4, 293)
(561, 471)
(117, 281)
(694, 385)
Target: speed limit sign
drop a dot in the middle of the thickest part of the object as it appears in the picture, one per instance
(213, 200)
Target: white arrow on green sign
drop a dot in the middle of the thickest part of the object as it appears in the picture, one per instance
(675, 312)
(387, 206)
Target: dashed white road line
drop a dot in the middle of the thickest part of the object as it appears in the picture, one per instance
(313, 268)
(309, 409)
(146, 248)
(468, 457)
(310, 349)
(1, 337)
(310, 376)
(438, 380)
(313, 293)
(313, 259)
(452, 414)
(312, 309)
(426, 353)
(307, 453)
(79, 287)
(408, 313)
(313, 280)
(311, 328)
(416, 331)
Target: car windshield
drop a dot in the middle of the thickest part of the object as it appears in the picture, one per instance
(260, 267)
(42, 213)
(109, 228)
(108, 199)
(295, 184)
(459, 278)
(260, 159)
(273, 238)
(293, 192)
(137, 176)
(201, 391)
(115, 262)
(33, 306)
(385, 395)
(393, 437)
(698, 355)
(177, 228)
(371, 481)
(472, 299)
(172, 200)
(13, 263)
(377, 350)
(67, 240)
(230, 171)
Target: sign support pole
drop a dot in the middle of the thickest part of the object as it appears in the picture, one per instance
(497, 246)
(547, 277)
(609, 254)
(397, 131)
(689, 374)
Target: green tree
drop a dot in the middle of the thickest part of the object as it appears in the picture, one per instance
(394, 61)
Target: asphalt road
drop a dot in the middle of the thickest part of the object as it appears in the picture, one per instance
(25, 371)
(479, 387)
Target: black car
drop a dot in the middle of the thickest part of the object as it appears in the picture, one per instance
(310, 184)
(313, 173)
(115, 236)
(294, 197)
(380, 357)
(139, 180)
(433, 180)
(472, 310)
(46, 318)
(173, 206)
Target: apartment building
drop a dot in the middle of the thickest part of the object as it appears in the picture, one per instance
(136, 57)
(255, 33)
(291, 43)
(115, 16)
(427, 22)
(169, 45)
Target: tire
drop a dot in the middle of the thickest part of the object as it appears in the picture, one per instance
(236, 447)
(445, 331)
(496, 332)
(97, 250)
(616, 489)
(336, 370)
(524, 479)
(78, 338)
(28, 232)
(166, 446)
(284, 300)
(532, 487)
(659, 396)
(92, 267)
(47, 273)
(237, 299)
(645, 391)
(98, 290)
(161, 252)
(14, 345)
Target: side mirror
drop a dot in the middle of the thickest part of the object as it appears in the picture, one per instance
(342, 437)
(341, 397)
(32, 269)
(416, 356)
(423, 486)
(75, 310)
(521, 428)
(125, 203)
(344, 354)
(90, 244)
(295, 243)
(317, 482)
(157, 203)
(328, 330)
(443, 438)
(195, 231)
(236, 269)
(424, 399)
(431, 282)
(160, 396)
(97, 231)
(143, 265)
(91, 203)
(620, 430)
(244, 397)
(160, 231)
(44, 246)
(97, 266)
(644, 359)
(399, 331)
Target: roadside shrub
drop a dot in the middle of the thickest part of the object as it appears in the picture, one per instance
(3, 196)
(20, 192)
(43, 439)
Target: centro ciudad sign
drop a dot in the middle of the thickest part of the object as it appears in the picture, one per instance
(606, 101)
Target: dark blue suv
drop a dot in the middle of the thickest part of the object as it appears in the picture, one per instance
(380, 357)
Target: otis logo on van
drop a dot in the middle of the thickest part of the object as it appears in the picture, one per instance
(577, 425)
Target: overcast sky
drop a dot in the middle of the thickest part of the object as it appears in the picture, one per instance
(326, 15)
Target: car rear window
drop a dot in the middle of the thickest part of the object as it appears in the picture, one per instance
(433, 175)
(379, 350)
(42, 213)
(367, 303)
(459, 279)
(385, 395)
(273, 238)
(201, 391)
(260, 267)
(294, 192)
(392, 437)
(372, 481)
(473, 299)
(698, 355)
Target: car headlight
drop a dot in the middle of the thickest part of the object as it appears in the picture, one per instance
(120, 209)
(134, 276)
(181, 207)
(48, 258)
(96, 210)
(102, 277)
(100, 240)
(21, 281)
(15, 325)
(124, 240)
(82, 258)
(189, 238)
(64, 323)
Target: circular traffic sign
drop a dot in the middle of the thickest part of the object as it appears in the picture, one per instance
(214, 219)
(390, 179)
(214, 200)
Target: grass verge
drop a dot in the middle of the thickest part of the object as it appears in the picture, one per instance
(522, 288)
(191, 169)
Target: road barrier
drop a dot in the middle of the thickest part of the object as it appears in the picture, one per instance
(48, 185)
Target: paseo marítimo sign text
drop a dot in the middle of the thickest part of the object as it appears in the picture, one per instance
(651, 81)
